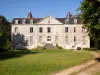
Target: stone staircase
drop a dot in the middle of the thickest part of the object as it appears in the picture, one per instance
(49, 46)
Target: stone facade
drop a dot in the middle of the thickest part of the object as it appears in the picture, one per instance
(41, 31)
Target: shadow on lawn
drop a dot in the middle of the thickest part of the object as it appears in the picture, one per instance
(15, 54)
(98, 59)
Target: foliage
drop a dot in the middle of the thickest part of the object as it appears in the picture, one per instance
(59, 47)
(90, 14)
(42, 62)
(19, 41)
(78, 48)
(90, 49)
(5, 30)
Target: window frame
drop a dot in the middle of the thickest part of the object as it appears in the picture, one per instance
(40, 29)
(48, 29)
(66, 29)
(16, 29)
(31, 29)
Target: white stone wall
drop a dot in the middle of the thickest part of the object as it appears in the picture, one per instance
(56, 30)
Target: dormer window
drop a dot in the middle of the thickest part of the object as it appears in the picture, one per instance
(67, 21)
(31, 21)
(16, 21)
(75, 21)
(23, 21)
(48, 21)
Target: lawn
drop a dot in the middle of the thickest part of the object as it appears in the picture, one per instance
(41, 62)
(97, 73)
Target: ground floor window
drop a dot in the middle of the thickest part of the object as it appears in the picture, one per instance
(56, 38)
(31, 39)
(40, 38)
(66, 38)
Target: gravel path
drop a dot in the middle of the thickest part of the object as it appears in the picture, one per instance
(88, 67)
(92, 69)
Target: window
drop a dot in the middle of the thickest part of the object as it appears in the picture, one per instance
(56, 38)
(66, 29)
(48, 21)
(48, 38)
(83, 30)
(48, 29)
(31, 21)
(40, 38)
(31, 39)
(16, 21)
(16, 29)
(66, 38)
(40, 29)
(67, 21)
(75, 21)
(31, 29)
(74, 38)
(23, 21)
(74, 29)
(83, 38)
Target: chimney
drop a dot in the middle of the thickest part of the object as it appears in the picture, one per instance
(68, 15)
(29, 15)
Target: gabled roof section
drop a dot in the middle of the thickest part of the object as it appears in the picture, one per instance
(49, 20)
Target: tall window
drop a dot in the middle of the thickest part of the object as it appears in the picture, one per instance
(48, 29)
(40, 29)
(31, 29)
(16, 29)
(66, 38)
(83, 38)
(66, 29)
(74, 38)
(83, 29)
(56, 38)
(40, 38)
(31, 39)
(74, 29)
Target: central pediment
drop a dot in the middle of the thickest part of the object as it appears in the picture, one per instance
(49, 20)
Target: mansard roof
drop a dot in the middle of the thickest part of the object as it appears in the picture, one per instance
(35, 20)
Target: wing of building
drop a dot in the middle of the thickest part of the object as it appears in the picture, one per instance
(32, 32)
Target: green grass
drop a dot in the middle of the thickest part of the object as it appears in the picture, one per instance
(41, 62)
(97, 73)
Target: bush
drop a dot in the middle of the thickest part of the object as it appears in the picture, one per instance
(59, 47)
(78, 48)
(38, 48)
(90, 49)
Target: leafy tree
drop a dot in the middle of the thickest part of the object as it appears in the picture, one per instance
(5, 27)
(90, 13)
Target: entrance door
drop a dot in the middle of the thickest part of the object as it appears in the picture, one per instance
(48, 39)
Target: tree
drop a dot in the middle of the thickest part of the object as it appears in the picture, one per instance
(5, 30)
(19, 41)
(90, 14)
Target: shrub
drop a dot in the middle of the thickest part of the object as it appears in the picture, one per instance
(78, 48)
(90, 49)
(59, 47)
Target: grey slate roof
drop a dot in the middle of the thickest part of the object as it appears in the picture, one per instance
(35, 20)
